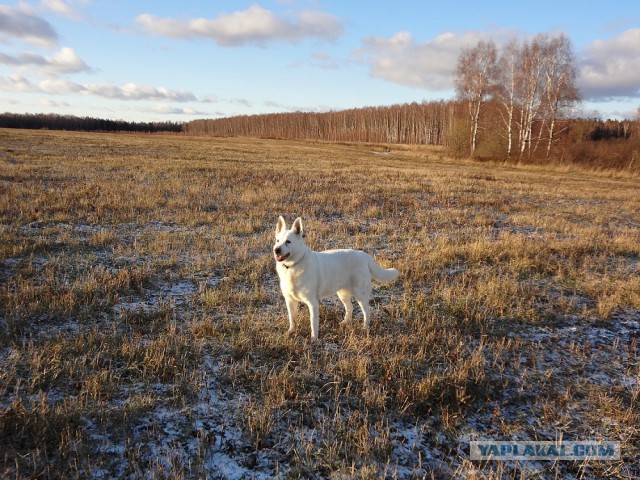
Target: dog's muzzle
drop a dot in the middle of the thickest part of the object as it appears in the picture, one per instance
(280, 257)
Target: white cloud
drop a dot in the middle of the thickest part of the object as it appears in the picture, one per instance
(19, 23)
(67, 61)
(58, 86)
(270, 104)
(65, 8)
(132, 91)
(611, 68)
(47, 102)
(61, 86)
(210, 99)
(164, 109)
(64, 61)
(17, 83)
(243, 102)
(429, 65)
(255, 25)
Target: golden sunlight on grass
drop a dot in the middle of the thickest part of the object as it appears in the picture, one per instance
(142, 330)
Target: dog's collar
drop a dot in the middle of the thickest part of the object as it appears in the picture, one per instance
(294, 264)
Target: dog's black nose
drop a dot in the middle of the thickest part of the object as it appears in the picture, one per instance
(277, 251)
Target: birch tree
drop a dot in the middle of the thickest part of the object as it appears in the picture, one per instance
(529, 89)
(506, 88)
(544, 87)
(475, 80)
(560, 91)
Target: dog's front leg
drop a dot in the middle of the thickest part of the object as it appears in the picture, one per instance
(314, 318)
(292, 310)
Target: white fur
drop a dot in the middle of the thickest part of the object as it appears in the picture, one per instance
(307, 276)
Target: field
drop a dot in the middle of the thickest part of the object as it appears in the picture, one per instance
(142, 330)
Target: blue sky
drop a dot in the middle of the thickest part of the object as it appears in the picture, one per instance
(178, 61)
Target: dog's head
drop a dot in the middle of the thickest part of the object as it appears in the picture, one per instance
(289, 242)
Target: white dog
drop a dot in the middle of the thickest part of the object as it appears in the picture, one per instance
(307, 276)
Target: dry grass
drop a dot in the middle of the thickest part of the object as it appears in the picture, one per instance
(142, 331)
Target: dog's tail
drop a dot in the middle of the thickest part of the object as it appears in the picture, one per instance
(382, 274)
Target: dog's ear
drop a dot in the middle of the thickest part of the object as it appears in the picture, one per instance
(297, 226)
(282, 225)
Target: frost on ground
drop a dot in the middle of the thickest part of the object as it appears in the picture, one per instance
(133, 347)
(544, 379)
(557, 358)
(167, 439)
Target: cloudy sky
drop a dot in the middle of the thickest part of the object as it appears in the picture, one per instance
(180, 60)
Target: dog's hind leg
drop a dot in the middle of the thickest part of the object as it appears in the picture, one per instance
(362, 297)
(366, 312)
(363, 294)
(345, 298)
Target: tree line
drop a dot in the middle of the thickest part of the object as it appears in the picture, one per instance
(52, 121)
(595, 143)
(590, 142)
(414, 123)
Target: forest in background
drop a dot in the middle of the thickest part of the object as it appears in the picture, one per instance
(592, 143)
(52, 121)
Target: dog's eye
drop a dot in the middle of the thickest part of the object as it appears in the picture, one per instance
(288, 242)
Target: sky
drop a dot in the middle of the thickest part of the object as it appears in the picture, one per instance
(183, 60)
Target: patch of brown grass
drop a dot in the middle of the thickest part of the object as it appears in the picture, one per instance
(142, 331)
